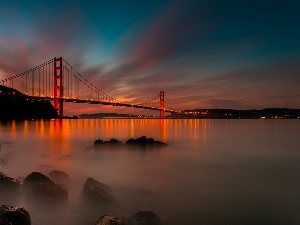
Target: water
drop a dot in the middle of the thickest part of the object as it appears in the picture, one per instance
(212, 172)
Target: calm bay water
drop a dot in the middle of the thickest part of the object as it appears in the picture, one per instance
(212, 172)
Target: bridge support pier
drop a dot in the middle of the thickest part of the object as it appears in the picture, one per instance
(162, 104)
(58, 86)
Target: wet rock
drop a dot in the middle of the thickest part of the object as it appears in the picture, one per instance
(109, 220)
(144, 141)
(95, 191)
(60, 177)
(143, 217)
(8, 184)
(14, 215)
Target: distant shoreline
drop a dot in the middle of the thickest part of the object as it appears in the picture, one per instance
(148, 118)
(268, 113)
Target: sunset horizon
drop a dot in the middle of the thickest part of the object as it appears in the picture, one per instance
(203, 54)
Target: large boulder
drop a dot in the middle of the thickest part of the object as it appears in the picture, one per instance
(93, 190)
(35, 178)
(14, 215)
(42, 188)
(108, 220)
(60, 177)
(143, 217)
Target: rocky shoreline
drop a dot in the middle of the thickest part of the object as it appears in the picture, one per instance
(38, 188)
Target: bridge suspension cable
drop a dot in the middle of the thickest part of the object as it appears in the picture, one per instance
(58, 81)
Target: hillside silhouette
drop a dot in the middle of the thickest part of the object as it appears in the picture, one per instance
(13, 107)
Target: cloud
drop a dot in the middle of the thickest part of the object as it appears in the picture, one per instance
(193, 50)
(170, 34)
(225, 104)
(44, 33)
(282, 96)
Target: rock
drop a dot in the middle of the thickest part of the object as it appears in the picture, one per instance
(10, 189)
(95, 191)
(98, 142)
(48, 192)
(130, 141)
(60, 177)
(42, 188)
(143, 217)
(109, 220)
(4, 221)
(9, 184)
(14, 215)
(111, 142)
(20, 179)
(35, 178)
(144, 141)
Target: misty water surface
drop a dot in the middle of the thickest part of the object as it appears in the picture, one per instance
(212, 172)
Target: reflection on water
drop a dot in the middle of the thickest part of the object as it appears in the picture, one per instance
(212, 172)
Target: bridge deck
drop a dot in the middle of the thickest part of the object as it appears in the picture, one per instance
(88, 101)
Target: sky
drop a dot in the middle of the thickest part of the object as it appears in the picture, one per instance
(203, 54)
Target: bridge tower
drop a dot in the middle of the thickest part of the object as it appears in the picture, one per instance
(162, 104)
(58, 86)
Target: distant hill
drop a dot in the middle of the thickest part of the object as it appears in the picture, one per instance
(12, 107)
(268, 113)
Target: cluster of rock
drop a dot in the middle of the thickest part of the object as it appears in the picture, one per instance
(142, 141)
(38, 187)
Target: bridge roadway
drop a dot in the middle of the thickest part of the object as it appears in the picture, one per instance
(89, 101)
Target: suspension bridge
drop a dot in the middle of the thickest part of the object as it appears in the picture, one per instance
(57, 81)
